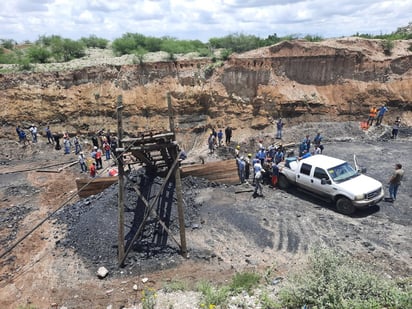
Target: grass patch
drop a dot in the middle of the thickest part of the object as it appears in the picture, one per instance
(244, 282)
(334, 280)
(212, 296)
(174, 286)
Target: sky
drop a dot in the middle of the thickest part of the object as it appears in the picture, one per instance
(23, 20)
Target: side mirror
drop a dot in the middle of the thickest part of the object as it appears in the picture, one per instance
(325, 181)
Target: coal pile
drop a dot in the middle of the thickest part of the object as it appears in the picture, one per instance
(92, 226)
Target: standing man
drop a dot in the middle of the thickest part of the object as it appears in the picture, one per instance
(18, 129)
(275, 175)
(395, 128)
(372, 115)
(279, 127)
(228, 134)
(67, 145)
(318, 141)
(381, 113)
(211, 143)
(82, 161)
(76, 143)
(33, 130)
(394, 182)
(49, 136)
(247, 166)
(93, 170)
(258, 169)
(241, 165)
(220, 137)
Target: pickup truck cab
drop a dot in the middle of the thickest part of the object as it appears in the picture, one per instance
(331, 179)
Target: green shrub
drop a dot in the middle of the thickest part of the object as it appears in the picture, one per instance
(149, 299)
(62, 50)
(334, 280)
(225, 54)
(38, 54)
(7, 43)
(313, 38)
(25, 65)
(387, 46)
(95, 42)
(7, 58)
(174, 286)
(212, 296)
(244, 282)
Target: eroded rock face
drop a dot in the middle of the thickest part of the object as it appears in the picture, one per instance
(301, 81)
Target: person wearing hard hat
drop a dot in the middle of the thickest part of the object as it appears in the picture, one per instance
(237, 151)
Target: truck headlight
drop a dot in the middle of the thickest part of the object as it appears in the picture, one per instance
(359, 197)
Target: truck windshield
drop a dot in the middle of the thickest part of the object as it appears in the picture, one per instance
(342, 172)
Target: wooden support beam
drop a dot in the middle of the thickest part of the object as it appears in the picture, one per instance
(140, 229)
(120, 218)
(152, 147)
(154, 214)
(140, 155)
(145, 139)
(181, 213)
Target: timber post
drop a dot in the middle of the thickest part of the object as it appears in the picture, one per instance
(119, 154)
(178, 183)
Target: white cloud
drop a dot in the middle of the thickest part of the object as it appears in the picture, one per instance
(199, 19)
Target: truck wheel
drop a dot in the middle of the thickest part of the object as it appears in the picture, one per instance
(283, 182)
(345, 206)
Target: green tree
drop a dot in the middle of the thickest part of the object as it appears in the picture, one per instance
(7, 43)
(38, 54)
(67, 49)
(94, 41)
(237, 42)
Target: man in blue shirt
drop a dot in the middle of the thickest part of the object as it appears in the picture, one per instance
(279, 127)
(381, 113)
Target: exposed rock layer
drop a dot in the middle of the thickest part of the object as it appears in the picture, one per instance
(301, 81)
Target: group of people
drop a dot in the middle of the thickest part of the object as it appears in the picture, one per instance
(264, 166)
(264, 163)
(102, 143)
(377, 114)
(215, 138)
(23, 136)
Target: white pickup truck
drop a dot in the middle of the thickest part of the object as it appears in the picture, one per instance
(332, 179)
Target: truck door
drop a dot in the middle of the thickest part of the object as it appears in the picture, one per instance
(303, 176)
(326, 189)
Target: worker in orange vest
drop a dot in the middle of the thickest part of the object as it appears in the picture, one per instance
(372, 115)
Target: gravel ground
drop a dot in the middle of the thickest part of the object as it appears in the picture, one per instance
(226, 231)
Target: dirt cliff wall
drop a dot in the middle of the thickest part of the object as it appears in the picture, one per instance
(300, 81)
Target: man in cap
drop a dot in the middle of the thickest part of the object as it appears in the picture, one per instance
(82, 161)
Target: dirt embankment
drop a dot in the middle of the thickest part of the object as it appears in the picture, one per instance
(301, 81)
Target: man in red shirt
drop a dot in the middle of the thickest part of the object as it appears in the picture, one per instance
(93, 170)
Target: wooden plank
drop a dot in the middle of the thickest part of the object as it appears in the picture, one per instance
(144, 139)
(219, 171)
(88, 186)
